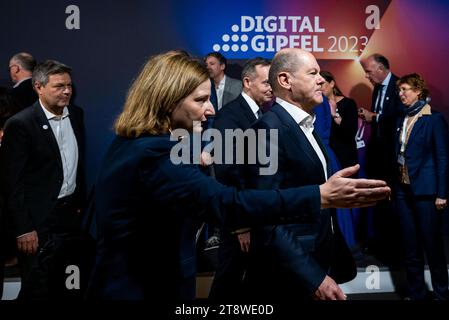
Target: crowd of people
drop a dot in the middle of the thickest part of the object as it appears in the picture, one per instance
(280, 234)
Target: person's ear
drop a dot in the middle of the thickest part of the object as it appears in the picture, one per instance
(222, 66)
(284, 80)
(246, 82)
(38, 87)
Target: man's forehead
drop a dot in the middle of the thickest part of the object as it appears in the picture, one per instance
(59, 77)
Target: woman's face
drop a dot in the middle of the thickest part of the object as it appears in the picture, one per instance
(193, 109)
(327, 88)
(408, 95)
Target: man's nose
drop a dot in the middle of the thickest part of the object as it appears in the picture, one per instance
(320, 80)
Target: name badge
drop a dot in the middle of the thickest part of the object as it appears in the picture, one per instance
(360, 143)
(401, 159)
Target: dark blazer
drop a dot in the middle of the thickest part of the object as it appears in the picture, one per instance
(24, 94)
(427, 155)
(291, 261)
(380, 149)
(235, 115)
(31, 167)
(342, 136)
(232, 89)
(147, 206)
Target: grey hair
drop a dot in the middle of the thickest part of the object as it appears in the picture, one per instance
(249, 69)
(283, 61)
(25, 61)
(47, 68)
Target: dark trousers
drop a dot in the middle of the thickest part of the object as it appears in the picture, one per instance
(232, 265)
(61, 245)
(420, 225)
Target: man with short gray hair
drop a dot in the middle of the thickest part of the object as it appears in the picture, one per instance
(42, 172)
(240, 113)
(21, 67)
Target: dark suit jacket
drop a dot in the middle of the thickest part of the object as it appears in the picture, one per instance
(232, 89)
(235, 115)
(380, 149)
(31, 167)
(24, 94)
(146, 205)
(291, 261)
(427, 155)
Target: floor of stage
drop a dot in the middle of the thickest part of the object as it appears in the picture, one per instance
(375, 280)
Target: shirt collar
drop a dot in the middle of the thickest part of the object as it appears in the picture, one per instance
(300, 116)
(386, 80)
(221, 84)
(19, 82)
(51, 115)
(252, 104)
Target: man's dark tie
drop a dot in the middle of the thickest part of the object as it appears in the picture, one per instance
(259, 113)
(379, 98)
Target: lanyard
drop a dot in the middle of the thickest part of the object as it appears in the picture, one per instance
(360, 132)
(405, 129)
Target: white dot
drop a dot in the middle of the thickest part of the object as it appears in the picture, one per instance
(216, 47)
(235, 47)
(225, 37)
(235, 38)
(235, 28)
(244, 48)
(225, 48)
(244, 38)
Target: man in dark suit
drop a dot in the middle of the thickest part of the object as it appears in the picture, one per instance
(386, 109)
(227, 88)
(42, 174)
(240, 113)
(297, 261)
(21, 67)
(224, 89)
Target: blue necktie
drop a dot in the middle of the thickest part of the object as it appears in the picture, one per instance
(378, 108)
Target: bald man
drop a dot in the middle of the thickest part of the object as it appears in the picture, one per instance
(299, 261)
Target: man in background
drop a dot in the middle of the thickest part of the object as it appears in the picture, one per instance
(240, 113)
(227, 88)
(21, 67)
(386, 109)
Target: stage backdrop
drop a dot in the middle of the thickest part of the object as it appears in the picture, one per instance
(106, 42)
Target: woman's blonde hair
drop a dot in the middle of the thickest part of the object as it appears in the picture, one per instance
(164, 81)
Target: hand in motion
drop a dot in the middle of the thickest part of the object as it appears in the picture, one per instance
(441, 203)
(342, 192)
(28, 243)
(329, 290)
(366, 115)
(244, 239)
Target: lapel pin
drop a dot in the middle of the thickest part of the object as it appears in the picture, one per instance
(45, 127)
(388, 98)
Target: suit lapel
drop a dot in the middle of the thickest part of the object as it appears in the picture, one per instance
(324, 150)
(417, 128)
(46, 131)
(246, 110)
(389, 95)
(374, 97)
(298, 136)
